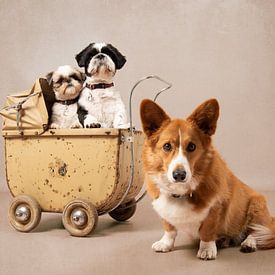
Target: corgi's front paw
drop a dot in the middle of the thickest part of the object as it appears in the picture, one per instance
(207, 251)
(161, 246)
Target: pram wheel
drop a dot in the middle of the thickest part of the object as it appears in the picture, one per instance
(79, 217)
(124, 212)
(24, 213)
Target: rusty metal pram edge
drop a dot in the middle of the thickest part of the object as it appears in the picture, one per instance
(67, 132)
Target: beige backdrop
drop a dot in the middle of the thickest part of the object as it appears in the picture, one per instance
(222, 49)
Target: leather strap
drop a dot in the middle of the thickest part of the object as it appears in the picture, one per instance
(68, 102)
(99, 86)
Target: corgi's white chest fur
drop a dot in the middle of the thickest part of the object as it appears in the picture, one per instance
(180, 213)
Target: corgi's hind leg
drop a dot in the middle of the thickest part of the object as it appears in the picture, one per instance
(249, 244)
(257, 214)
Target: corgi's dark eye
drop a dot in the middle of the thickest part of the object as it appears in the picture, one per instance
(167, 147)
(191, 147)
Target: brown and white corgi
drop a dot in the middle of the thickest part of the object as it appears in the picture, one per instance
(192, 188)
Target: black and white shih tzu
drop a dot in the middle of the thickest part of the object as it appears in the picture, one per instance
(100, 105)
(67, 83)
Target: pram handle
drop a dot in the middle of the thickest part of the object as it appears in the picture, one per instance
(131, 137)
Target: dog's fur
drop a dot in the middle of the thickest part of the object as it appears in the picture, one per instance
(192, 188)
(66, 83)
(101, 106)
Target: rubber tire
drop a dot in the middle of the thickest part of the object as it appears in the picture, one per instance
(122, 214)
(35, 210)
(91, 213)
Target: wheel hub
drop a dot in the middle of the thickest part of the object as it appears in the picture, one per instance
(79, 217)
(22, 213)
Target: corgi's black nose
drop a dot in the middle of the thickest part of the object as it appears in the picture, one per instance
(179, 175)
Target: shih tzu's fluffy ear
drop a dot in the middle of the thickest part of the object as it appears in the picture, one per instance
(49, 78)
(83, 76)
(82, 57)
(120, 59)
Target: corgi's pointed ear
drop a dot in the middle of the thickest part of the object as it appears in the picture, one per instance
(205, 116)
(152, 116)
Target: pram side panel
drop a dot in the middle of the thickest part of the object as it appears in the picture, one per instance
(57, 169)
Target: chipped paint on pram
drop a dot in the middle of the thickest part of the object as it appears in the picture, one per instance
(61, 165)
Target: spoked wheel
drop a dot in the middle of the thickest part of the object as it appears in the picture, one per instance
(124, 212)
(24, 213)
(80, 217)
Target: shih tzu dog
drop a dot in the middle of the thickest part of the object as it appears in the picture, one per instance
(67, 83)
(100, 105)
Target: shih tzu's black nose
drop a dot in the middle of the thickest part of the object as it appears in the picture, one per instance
(179, 175)
(100, 56)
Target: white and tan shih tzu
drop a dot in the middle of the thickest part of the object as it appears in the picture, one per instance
(67, 83)
(100, 104)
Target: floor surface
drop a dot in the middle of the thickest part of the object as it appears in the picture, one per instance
(115, 248)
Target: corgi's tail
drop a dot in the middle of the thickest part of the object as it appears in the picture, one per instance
(264, 235)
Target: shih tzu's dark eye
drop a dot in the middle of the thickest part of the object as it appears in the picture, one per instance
(59, 81)
(75, 77)
(167, 147)
(191, 147)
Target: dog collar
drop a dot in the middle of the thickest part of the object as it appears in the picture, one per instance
(99, 86)
(176, 196)
(68, 102)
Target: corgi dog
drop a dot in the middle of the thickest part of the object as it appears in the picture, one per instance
(192, 188)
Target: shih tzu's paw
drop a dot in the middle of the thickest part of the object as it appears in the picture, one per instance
(91, 122)
(93, 125)
(207, 251)
(54, 126)
(161, 246)
(76, 125)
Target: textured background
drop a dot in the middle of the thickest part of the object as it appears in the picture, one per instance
(222, 49)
